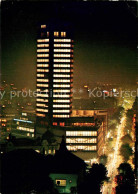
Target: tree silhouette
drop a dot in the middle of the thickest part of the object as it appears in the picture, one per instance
(103, 159)
(49, 136)
(94, 180)
(125, 180)
(126, 152)
(126, 139)
(24, 171)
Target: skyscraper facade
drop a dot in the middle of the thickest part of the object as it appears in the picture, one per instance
(54, 74)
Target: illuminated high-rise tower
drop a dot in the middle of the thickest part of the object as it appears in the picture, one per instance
(54, 74)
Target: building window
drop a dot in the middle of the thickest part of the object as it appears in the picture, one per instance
(61, 85)
(61, 111)
(63, 101)
(42, 65)
(81, 133)
(42, 55)
(43, 26)
(61, 116)
(42, 70)
(42, 80)
(61, 183)
(62, 55)
(63, 45)
(61, 80)
(41, 105)
(43, 45)
(42, 60)
(61, 96)
(62, 40)
(41, 100)
(54, 124)
(49, 151)
(63, 34)
(43, 40)
(63, 50)
(81, 140)
(82, 148)
(62, 70)
(41, 110)
(62, 124)
(42, 50)
(56, 34)
(61, 65)
(63, 60)
(40, 115)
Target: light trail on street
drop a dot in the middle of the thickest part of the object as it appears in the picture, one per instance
(115, 161)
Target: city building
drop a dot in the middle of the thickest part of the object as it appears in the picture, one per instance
(54, 74)
(24, 124)
(67, 171)
(54, 96)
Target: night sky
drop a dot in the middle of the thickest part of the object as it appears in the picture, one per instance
(104, 36)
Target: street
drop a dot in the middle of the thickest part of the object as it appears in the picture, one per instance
(115, 160)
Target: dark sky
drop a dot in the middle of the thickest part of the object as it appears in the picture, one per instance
(104, 36)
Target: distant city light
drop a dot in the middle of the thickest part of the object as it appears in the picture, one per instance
(22, 120)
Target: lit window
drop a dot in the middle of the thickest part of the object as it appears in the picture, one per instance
(62, 124)
(81, 140)
(61, 85)
(61, 80)
(63, 101)
(62, 40)
(43, 40)
(61, 183)
(61, 75)
(54, 123)
(61, 116)
(42, 80)
(41, 105)
(61, 106)
(49, 151)
(82, 148)
(63, 50)
(40, 115)
(61, 111)
(61, 95)
(61, 65)
(42, 65)
(62, 91)
(62, 60)
(81, 133)
(42, 85)
(43, 45)
(62, 55)
(38, 90)
(83, 124)
(42, 70)
(40, 75)
(62, 70)
(62, 45)
(56, 34)
(43, 26)
(41, 110)
(42, 60)
(42, 50)
(41, 100)
(42, 55)
(63, 34)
